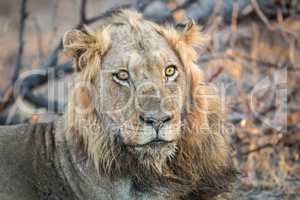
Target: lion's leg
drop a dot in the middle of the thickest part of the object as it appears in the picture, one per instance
(17, 196)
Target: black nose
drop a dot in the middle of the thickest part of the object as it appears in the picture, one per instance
(155, 121)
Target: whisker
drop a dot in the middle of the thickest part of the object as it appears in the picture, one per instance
(142, 130)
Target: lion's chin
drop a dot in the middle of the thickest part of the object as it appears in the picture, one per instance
(156, 153)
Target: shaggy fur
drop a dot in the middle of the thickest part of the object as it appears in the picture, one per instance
(201, 165)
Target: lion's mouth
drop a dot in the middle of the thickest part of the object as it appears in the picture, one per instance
(155, 142)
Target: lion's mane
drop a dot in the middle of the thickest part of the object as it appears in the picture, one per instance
(202, 163)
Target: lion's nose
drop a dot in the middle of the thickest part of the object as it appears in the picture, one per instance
(155, 122)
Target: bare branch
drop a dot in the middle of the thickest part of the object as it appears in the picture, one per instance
(216, 74)
(184, 5)
(142, 5)
(7, 99)
(35, 80)
(292, 138)
(268, 145)
(8, 96)
(18, 64)
(53, 57)
(261, 14)
(102, 15)
(234, 17)
(83, 18)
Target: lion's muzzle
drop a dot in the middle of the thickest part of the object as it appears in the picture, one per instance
(156, 122)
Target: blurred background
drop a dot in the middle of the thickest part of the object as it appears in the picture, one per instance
(251, 53)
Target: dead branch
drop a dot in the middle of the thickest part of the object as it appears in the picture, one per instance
(236, 54)
(216, 74)
(18, 65)
(268, 145)
(33, 81)
(82, 19)
(102, 15)
(234, 17)
(261, 14)
(142, 5)
(8, 96)
(292, 138)
(53, 57)
(184, 5)
(7, 99)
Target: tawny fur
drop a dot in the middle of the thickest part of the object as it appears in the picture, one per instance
(201, 166)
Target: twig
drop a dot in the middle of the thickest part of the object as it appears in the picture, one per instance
(142, 5)
(216, 74)
(268, 145)
(35, 80)
(184, 5)
(288, 139)
(83, 18)
(18, 64)
(40, 101)
(234, 17)
(94, 19)
(7, 98)
(53, 57)
(268, 24)
(102, 15)
(234, 56)
(261, 14)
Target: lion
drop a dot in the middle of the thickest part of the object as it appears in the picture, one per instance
(141, 122)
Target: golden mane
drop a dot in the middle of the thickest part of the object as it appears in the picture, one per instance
(202, 162)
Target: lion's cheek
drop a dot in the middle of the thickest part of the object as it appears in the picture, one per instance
(170, 132)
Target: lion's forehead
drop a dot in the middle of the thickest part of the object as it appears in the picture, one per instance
(138, 49)
(141, 37)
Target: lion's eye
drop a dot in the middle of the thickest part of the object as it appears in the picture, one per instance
(121, 77)
(171, 72)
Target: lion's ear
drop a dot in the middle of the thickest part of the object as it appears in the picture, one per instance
(183, 38)
(76, 43)
(190, 33)
(82, 44)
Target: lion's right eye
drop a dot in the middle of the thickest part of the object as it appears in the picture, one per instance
(121, 77)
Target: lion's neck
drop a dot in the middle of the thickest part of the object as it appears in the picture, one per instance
(87, 182)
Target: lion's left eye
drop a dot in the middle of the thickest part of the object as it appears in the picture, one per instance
(121, 77)
(171, 72)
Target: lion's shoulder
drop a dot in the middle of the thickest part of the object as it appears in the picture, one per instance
(23, 135)
(28, 157)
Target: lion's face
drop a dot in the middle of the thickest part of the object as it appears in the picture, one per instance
(142, 90)
(143, 110)
(138, 76)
